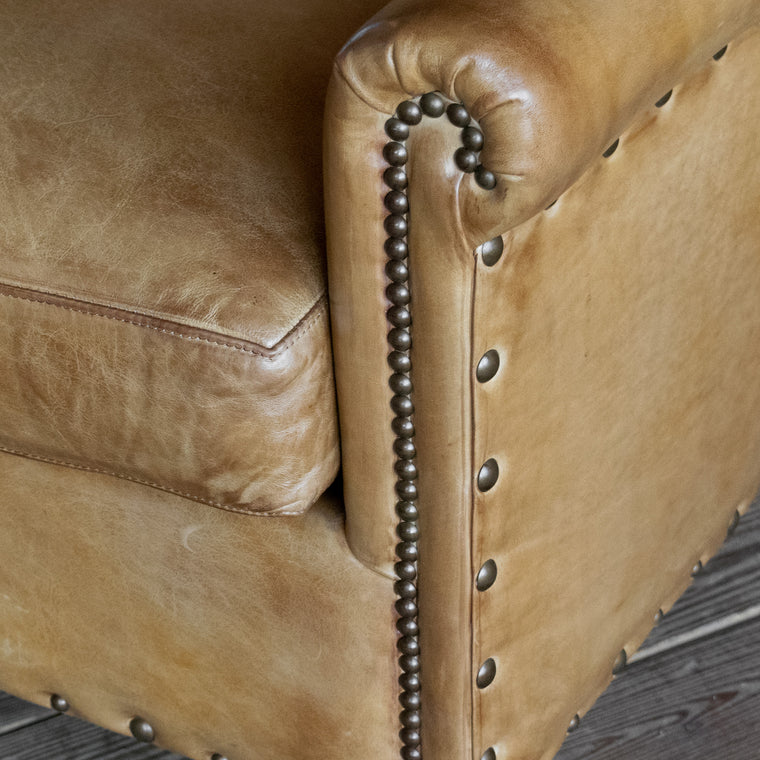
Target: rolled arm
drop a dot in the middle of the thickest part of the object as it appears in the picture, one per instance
(551, 82)
(571, 468)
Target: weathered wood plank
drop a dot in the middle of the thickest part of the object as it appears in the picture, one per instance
(729, 583)
(65, 738)
(699, 702)
(15, 713)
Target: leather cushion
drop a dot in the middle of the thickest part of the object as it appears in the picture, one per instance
(162, 309)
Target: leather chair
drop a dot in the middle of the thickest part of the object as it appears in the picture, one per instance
(565, 195)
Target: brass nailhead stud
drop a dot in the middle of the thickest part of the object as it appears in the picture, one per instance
(607, 153)
(409, 112)
(142, 730)
(664, 99)
(620, 663)
(486, 179)
(432, 104)
(488, 475)
(491, 250)
(486, 674)
(574, 724)
(489, 754)
(58, 703)
(486, 576)
(488, 366)
(458, 115)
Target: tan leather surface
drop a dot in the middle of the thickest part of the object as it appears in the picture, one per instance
(442, 295)
(160, 168)
(618, 470)
(552, 82)
(625, 416)
(224, 422)
(166, 157)
(250, 638)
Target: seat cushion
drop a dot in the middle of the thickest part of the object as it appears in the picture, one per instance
(162, 287)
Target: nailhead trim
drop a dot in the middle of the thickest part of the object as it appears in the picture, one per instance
(142, 730)
(408, 114)
(58, 703)
(490, 252)
(621, 663)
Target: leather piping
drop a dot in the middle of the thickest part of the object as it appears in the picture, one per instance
(193, 497)
(173, 328)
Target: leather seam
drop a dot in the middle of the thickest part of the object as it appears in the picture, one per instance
(123, 476)
(301, 328)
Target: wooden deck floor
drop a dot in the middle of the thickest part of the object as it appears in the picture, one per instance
(691, 693)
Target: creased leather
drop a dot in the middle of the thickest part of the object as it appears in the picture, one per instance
(247, 638)
(233, 426)
(552, 82)
(160, 169)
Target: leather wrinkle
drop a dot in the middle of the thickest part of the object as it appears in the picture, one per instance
(314, 314)
(168, 489)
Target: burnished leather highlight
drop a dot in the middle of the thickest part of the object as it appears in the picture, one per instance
(163, 300)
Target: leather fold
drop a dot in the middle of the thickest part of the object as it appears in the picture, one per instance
(552, 83)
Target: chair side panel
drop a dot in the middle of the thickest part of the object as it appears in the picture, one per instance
(625, 414)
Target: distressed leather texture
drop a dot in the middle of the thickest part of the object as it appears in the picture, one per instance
(162, 289)
(624, 415)
(230, 635)
(164, 318)
(552, 84)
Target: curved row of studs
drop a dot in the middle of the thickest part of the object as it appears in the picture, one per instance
(139, 727)
(487, 367)
(409, 113)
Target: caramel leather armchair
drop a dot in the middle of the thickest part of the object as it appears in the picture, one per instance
(542, 240)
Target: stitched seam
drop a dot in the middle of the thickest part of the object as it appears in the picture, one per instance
(314, 315)
(174, 491)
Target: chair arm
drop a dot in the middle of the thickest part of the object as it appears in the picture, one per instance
(551, 82)
(625, 420)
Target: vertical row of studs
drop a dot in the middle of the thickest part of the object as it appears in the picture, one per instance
(408, 114)
(486, 370)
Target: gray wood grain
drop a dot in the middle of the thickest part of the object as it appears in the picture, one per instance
(700, 702)
(15, 714)
(729, 584)
(66, 738)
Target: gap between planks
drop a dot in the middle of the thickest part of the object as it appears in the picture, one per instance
(700, 632)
